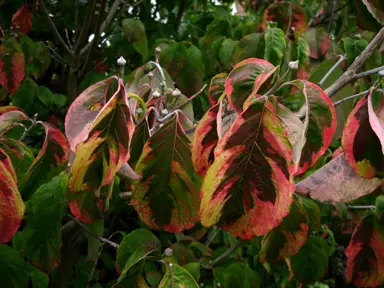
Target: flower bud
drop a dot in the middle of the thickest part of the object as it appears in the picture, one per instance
(293, 65)
(121, 61)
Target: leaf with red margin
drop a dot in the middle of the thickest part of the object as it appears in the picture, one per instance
(247, 190)
(22, 19)
(361, 145)
(286, 239)
(336, 182)
(365, 254)
(101, 155)
(217, 87)
(167, 195)
(11, 205)
(319, 123)
(376, 118)
(205, 139)
(51, 160)
(376, 8)
(245, 80)
(10, 117)
(84, 110)
(12, 65)
(284, 14)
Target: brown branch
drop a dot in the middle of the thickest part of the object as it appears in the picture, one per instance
(85, 28)
(351, 74)
(55, 31)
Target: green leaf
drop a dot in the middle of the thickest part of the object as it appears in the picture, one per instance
(134, 31)
(225, 52)
(24, 97)
(94, 244)
(13, 269)
(193, 269)
(311, 262)
(274, 45)
(250, 46)
(177, 276)
(354, 47)
(240, 275)
(39, 279)
(133, 248)
(303, 51)
(140, 136)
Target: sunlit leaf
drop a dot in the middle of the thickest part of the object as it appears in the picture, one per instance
(177, 276)
(22, 19)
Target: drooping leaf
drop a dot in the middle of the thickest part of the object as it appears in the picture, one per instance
(319, 123)
(135, 247)
(13, 269)
(134, 31)
(286, 14)
(250, 46)
(22, 19)
(365, 257)
(40, 240)
(311, 262)
(10, 117)
(100, 156)
(12, 65)
(11, 205)
(51, 160)
(216, 88)
(286, 239)
(274, 45)
(177, 276)
(245, 80)
(361, 145)
(140, 136)
(167, 195)
(240, 275)
(376, 119)
(376, 8)
(247, 190)
(336, 182)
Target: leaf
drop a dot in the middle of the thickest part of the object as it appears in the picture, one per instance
(225, 52)
(13, 269)
(184, 62)
(318, 41)
(286, 239)
(247, 190)
(51, 160)
(311, 262)
(193, 269)
(376, 8)
(22, 19)
(364, 18)
(365, 258)
(10, 117)
(274, 45)
(376, 119)
(245, 80)
(100, 156)
(336, 182)
(133, 248)
(354, 48)
(94, 244)
(134, 31)
(140, 136)
(39, 279)
(177, 276)
(241, 276)
(40, 61)
(216, 88)
(167, 195)
(302, 50)
(12, 65)
(361, 145)
(319, 123)
(11, 205)
(250, 46)
(40, 240)
(286, 14)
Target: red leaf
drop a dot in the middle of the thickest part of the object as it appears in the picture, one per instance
(376, 118)
(12, 65)
(11, 205)
(361, 145)
(318, 41)
(10, 117)
(247, 190)
(216, 88)
(22, 19)
(245, 80)
(336, 182)
(365, 254)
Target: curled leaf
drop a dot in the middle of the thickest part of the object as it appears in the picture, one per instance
(10, 117)
(216, 88)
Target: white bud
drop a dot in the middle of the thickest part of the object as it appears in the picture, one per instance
(161, 125)
(293, 65)
(168, 252)
(164, 112)
(150, 74)
(156, 94)
(293, 28)
(176, 92)
(158, 50)
(381, 73)
(170, 264)
(218, 284)
(121, 61)
(139, 110)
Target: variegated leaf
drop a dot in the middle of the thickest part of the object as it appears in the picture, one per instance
(10, 117)
(376, 118)
(217, 87)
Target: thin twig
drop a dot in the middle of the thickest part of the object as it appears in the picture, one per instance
(369, 72)
(342, 58)
(226, 254)
(57, 55)
(101, 239)
(191, 98)
(337, 103)
(212, 236)
(55, 31)
(362, 207)
(85, 27)
(350, 75)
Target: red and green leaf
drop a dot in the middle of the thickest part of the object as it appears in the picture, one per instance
(167, 195)
(12, 65)
(246, 79)
(362, 147)
(140, 136)
(22, 19)
(365, 255)
(376, 8)
(217, 88)
(10, 117)
(247, 190)
(376, 118)
(319, 123)
(11, 205)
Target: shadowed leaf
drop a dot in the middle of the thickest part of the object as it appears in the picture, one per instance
(22, 19)
(10, 117)
(376, 8)
(250, 46)
(240, 275)
(134, 31)
(376, 119)
(13, 268)
(140, 136)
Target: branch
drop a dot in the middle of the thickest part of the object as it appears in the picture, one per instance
(350, 74)
(337, 103)
(101, 239)
(57, 34)
(84, 29)
(369, 72)
(226, 254)
(369, 207)
(191, 98)
(342, 58)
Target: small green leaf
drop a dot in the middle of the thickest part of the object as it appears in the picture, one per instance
(177, 276)
(354, 47)
(134, 31)
(274, 45)
(193, 269)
